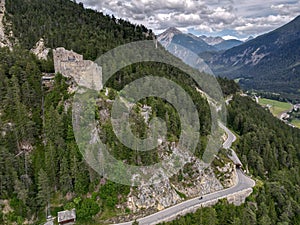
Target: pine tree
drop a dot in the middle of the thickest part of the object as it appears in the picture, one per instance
(51, 163)
(65, 179)
(7, 172)
(44, 190)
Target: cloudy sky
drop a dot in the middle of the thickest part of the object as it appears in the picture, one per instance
(226, 18)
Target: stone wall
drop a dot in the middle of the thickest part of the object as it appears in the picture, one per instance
(72, 65)
(237, 199)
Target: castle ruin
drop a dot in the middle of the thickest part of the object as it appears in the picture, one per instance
(72, 65)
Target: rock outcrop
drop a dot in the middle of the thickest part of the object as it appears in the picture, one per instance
(193, 180)
(4, 41)
(157, 196)
(197, 180)
(227, 175)
(40, 50)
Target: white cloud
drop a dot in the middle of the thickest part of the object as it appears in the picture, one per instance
(204, 27)
(241, 17)
(287, 9)
(229, 37)
(259, 25)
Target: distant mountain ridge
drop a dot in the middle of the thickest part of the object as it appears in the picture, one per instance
(228, 44)
(270, 62)
(189, 41)
(212, 40)
(196, 44)
(220, 43)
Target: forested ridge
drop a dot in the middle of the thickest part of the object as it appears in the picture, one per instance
(270, 150)
(63, 23)
(41, 166)
(39, 160)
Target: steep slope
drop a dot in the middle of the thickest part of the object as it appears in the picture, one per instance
(4, 39)
(227, 44)
(39, 158)
(219, 43)
(270, 62)
(212, 40)
(65, 23)
(40, 164)
(270, 150)
(189, 41)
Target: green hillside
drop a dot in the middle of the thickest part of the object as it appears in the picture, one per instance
(270, 149)
(65, 23)
(40, 164)
(276, 107)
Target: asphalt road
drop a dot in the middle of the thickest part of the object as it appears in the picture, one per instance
(230, 137)
(243, 183)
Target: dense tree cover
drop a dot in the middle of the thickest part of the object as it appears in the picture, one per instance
(63, 23)
(52, 167)
(270, 149)
(274, 145)
(160, 108)
(39, 159)
(228, 87)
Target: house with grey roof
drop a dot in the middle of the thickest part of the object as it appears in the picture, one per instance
(67, 217)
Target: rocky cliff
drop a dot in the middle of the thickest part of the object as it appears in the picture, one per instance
(40, 49)
(4, 38)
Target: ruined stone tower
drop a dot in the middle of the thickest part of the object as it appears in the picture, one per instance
(72, 65)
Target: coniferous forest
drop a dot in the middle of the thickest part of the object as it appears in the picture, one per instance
(270, 150)
(41, 166)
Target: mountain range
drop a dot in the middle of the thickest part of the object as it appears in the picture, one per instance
(269, 63)
(220, 43)
(190, 41)
(194, 43)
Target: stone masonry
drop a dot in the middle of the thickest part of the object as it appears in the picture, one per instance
(72, 65)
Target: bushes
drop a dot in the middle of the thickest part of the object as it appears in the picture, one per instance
(109, 193)
(87, 209)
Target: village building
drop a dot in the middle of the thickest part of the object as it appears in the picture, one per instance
(67, 217)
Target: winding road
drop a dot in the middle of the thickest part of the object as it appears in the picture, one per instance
(230, 136)
(243, 183)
